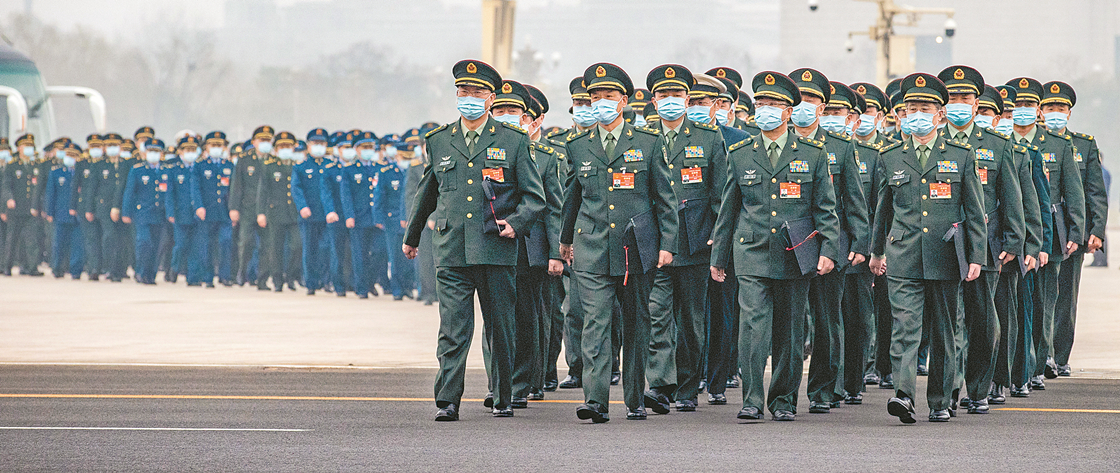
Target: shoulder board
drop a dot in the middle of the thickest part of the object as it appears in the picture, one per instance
(573, 136)
(874, 146)
(541, 147)
(1019, 149)
(648, 130)
(706, 126)
(414, 162)
(138, 165)
(996, 133)
(890, 146)
(811, 142)
(329, 165)
(1064, 136)
(740, 144)
(57, 166)
(1082, 135)
(515, 127)
(840, 136)
(437, 130)
(959, 144)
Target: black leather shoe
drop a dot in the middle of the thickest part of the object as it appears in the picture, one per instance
(1064, 370)
(571, 382)
(210, 285)
(717, 399)
(853, 399)
(535, 395)
(996, 396)
(502, 412)
(978, 407)
(615, 378)
(447, 414)
(686, 405)
(1037, 384)
(585, 411)
(923, 370)
(519, 403)
(291, 285)
(703, 386)
(1051, 369)
(489, 401)
(94, 277)
(732, 382)
(939, 415)
(817, 407)
(784, 416)
(903, 408)
(550, 385)
(870, 379)
(749, 413)
(279, 288)
(1020, 391)
(887, 382)
(360, 296)
(657, 401)
(834, 404)
(636, 414)
(310, 292)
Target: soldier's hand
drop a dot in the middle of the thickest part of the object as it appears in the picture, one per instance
(3, 217)
(89, 216)
(555, 267)
(718, 274)
(349, 223)
(235, 216)
(664, 258)
(1006, 257)
(404, 224)
(34, 212)
(115, 214)
(126, 219)
(825, 265)
(171, 220)
(1029, 262)
(1094, 243)
(409, 251)
(877, 265)
(1071, 247)
(566, 253)
(332, 217)
(11, 203)
(73, 212)
(50, 219)
(200, 213)
(507, 229)
(973, 272)
(305, 212)
(856, 258)
(262, 221)
(1043, 259)
(379, 226)
(431, 224)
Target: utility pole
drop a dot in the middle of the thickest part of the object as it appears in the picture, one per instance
(497, 33)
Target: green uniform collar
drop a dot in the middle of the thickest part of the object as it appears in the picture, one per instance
(617, 133)
(953, 132)
(781, 141)
(1029, 136)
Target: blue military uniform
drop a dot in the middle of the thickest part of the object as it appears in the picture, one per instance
(186, 255)
(388, 211)
(66, 246)
(144, 204)
(356, 193)
(211, 184)
(307, 182)
(330, 194)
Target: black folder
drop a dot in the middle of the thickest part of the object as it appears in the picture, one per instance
(642, 234)
(696, 223)
(805, 243)
(1061, 236)
(956, 234)
(501, 202)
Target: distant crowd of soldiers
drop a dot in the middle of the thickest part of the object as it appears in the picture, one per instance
(673, 239)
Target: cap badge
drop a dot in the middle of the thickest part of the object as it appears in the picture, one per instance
(507, 89)
(600, 72)
(769, 79)
(1003, 93)
(1054, 88)
(807, 76)
(920, 81)
(670, 73)
(471, 68)
(1023, 83)
(831, 89)
(861, 89)
(958, 74)
(721, 73)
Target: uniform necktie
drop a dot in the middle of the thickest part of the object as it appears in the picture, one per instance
(773, 152)
(1024, 141)
(610, 146)
(923, 155)
(472, 137)
(672, 138)
(963, 138)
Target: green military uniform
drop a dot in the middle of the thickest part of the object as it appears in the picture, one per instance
(751, 234)
(619, 204)
(274, 201)
(467, 259)
(243, 189)
(21, 203)
(106, 185)
(81, 197)
(1088, 159)
(926, 191)
(697, 161)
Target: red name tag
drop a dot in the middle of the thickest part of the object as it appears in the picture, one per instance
(789, 190)
(623, 180)
(494, 174)
(983, 176)
(224, 181)
(692, 175)
(940, 190)
(163, 187)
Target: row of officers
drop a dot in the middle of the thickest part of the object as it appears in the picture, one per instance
(679, 235)
(319, 211)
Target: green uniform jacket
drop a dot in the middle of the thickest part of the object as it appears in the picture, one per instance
(1065, 184)
(547, 159)
(867, 162)
(851, 208)
(596, 214)
(21, 184)
(1032, 213)
(85, 186)
(1003, 195)
(451, 193)
(274, 194)
(910, 225)
(109, 180)
(749, 225)
(698, 145)
(244, 184)
(1088, 160)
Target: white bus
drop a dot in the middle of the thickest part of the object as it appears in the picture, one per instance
(27, 107)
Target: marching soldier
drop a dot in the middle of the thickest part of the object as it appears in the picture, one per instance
(82, 197)
(21, 190)
(247, 176)
(307, 182)
(143, 206)
(357, 193)
(474, 252)
(211, 205)
(388, 216)
(331, 194)
(771, 273)
(927, 185)
(67, 244)
(276, 216)
(186, 255)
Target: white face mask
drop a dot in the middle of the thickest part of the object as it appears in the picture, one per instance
(113, 151)
(264, 146)
(153, 157)
(126, 154)
(216, 151)
(69, 161)
(284, 153)
(299, 157)
(28, 150)
(317, 151)
(95, 152)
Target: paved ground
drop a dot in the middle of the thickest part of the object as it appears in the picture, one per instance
(334, 420)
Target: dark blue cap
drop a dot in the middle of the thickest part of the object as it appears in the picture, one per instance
(301, 145)
(154, 143)
(318, 134)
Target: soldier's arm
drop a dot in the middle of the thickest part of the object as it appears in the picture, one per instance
(884, 210)
(531, 190)
(1032, 219)
(327, 190)
(1010, 203)
(717, 169)
(727, 217)
(236, 188)
(196, 189)
(664, 199)
(128, 197)
(573, 200)
(975, 227)
(262, 193)
(1074, 193)
(172, 204)
(1096, 196)
(855, 207)
(51, 195)
(427, 195)
(552, 212)
(1045, 204)
(76, 185)
(298, 197)
(824, 207)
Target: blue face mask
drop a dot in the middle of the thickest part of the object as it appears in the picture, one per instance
(471, 108)
(509, 119)
(583, 115)
(768, 117)
(670, 108)
(1024, 116)
(5, 156)
(804, 114)
(849, 128)
(284, 153)
(959, 114)
(700, 113)
(390, 151)
(866, 124)
(348, 154)
(921, 123)
(833, 123)
(983, 121)
(1055, 120)
(69, 161)
(1005, 126)
(639, 120)
(606, 111)
(264, 146)
(721, 117)
(368, 154)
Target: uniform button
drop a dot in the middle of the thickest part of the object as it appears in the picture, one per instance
(610, 189)
(137, 206)
(371, 195)
(469, 215)
(579, 230)
(469, 198)
(925, 214)
(470, 165)
(672, 183)
(219, 201)
(923, 197)
(610, 170)
(289, 194)
(773, 196)
(925, 230)
(775, 214)
(470, 181)
(773, 180)
(923, 181)
(390, 214)
(670, 166)
(611, 207)
(773, 230)
(612, 225)
(741, 240)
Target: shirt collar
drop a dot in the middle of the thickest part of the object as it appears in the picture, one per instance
(616, 133)
(781, 141)
(476, 130)
(1029, 136)
(967, 131)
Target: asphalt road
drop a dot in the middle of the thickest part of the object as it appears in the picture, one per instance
(381, 420)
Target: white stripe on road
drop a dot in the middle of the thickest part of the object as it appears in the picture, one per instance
(165, 429)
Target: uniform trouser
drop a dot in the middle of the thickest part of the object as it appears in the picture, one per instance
(496, 291)
(400, 280)
(67, 249)
(982, 331)
(599, 296)
(166, 247)
(115, 254)
(1046, 298)
(1065, 311)
(932, 304)
(426, 266)
(216, 249)
(1022, 352)
(378, 260)
(275, 238)
(340, 256)
(21, 248)
(573, 329)
(772, 323)
(677, 303)
(44, 239)
(534, 296)
(884, 325)
(825, 293)
(246, 245)
(362, 242)
(858, 312)
(91, 244)
(311, 235)
(555, 314)
(1007, 311)
(147, 243)
(190, 250)
(724, 316)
